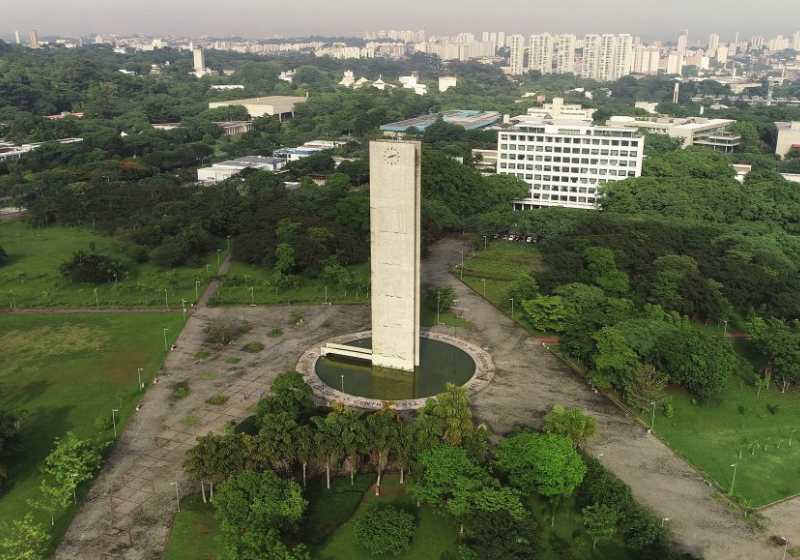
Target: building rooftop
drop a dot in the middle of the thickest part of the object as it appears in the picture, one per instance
(249, 161)
(470, 120)
(271, 100)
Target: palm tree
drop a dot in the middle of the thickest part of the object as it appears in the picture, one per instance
(403, 447)
(454, 414)
(381, 435)
(303, 445)
(276, 431)
(354, 440)
(328, 441)
(197, 463)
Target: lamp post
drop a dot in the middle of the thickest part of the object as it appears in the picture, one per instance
(183, 304)
(228, 239)
(96, 300)
(326, 295)
(197, 290)
(484, 287)
(725, 329)
(342, 383)
(485, 243)
(207, 265)
(218, 252)
(790, 436)
(462, 265)
(512, 307)
(599, 455)
(114, 419)
(252, 297)
(438, 298)
(166, 297)
(74, 493)
(165, 338)
(733, 480)
(177, 496)
(139, 372)
(664, 521)
(785, 547)
(653, 416)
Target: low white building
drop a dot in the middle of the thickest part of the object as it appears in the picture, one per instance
(566, 161)
(281, 105)
(447, 82)
(560, 110)
(227, 169)
(694, 131)
(788, 137)
(307, 149)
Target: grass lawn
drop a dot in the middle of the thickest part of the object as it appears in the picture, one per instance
(563, 540)
(235, 288)
(742, 431)
(30, 278)
(490, 273)
(194, 532)
(434, 536)
(65, 371)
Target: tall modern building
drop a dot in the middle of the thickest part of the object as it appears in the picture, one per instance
(199, 62)
(591, 54)
(516, 59)
(622, 62)
(796, 41)
(501, 39)
(566, 161)
(675, 63)
(645, 60)
(683, 41)
(607, 57)
(16, 37)
(713, 45)
(722, 54)
(541, 53)
(564, 53)
(34, 39)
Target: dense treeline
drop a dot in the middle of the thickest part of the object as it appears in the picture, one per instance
(455, 471)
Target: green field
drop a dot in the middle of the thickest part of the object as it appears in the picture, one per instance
(65, 371)
(194, 532)
(235, 288)
(490, 273)
(31, 279)
(737, 432)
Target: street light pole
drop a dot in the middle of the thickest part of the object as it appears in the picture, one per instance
(484, 287)
(462, 265)
(114, 419)
(485, 243)
(725, 329)
(512, 307)
(438, 298)
(96, 300)
(166, 297)
(785, 547)
(177, 496)
(733, 480)
(228, 239)
(326, 295)
(653, 416)
(197, 290)
(664, 521)
(165, 338)
(790, 436)
(218, 252)
(252, 297)
(139, 372)
(342, 383)
(74, 493)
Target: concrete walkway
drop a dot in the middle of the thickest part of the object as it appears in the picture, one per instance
(530, 380)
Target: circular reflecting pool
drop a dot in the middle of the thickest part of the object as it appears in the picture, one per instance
(440, 363)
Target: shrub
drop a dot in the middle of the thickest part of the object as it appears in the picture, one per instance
(743, 410)
(222, 332)
(103, 423)
(92, 267)
(229, 428)
(209, 376)
(385, 530)
(181, 391)
(218, 400)
(295, 317)
(668, 410)
(275, 333)
(774, 409)
(190, 420)
(233, 360)
(202, 354)
(254, 347)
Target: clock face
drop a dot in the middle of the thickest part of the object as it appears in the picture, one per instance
(391, 156)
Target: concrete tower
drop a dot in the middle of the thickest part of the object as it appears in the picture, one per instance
(395, 203)
(16, 37)
(199, 62)
(34, 43)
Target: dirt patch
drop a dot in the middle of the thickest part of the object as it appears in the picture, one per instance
(47, 341)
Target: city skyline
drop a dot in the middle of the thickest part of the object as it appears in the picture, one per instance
(353, 17)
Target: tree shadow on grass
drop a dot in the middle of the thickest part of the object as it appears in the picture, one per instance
(37, 436)
(21, 396)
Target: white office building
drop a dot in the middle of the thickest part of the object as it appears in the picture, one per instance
(227, 169)
(646, 59)
(683, 41)
(566, 161)
(541, 53)
(565, 53)
(516, 58)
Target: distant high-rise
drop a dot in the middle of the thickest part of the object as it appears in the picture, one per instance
(713, 44)
(541, 53)
(607, 57)
(516, 59)
(645, 60)
(16, 37)
(722, 54)
(796, 41)
(34, 39)
(199, 62)
(683, 41)
(675, 63)
(565, 53)
(501, 39)
(485, 37)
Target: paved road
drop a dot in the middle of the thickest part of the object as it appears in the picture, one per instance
(530, 380)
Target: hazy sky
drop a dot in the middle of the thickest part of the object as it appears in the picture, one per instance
(267, 18)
